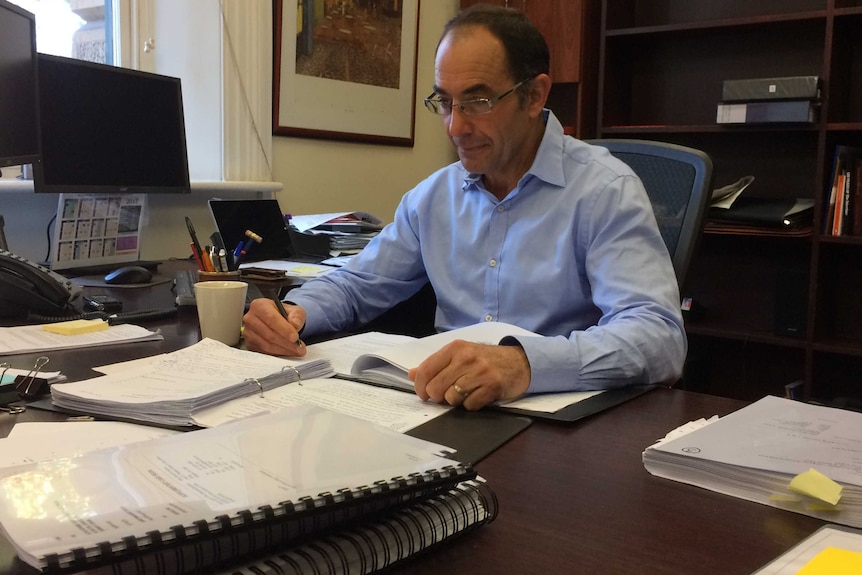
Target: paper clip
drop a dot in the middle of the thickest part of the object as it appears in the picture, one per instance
(296, 371)
(259, 386)
(25, 384)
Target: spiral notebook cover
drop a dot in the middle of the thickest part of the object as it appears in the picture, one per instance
(223, 492)
(392, 538)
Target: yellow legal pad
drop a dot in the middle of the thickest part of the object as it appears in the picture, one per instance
(834, 561)
(76, 326)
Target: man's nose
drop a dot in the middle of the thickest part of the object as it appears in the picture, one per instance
(459, 123)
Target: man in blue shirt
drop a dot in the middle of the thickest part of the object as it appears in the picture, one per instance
(530, 227)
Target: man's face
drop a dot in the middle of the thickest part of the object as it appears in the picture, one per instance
(471, 63)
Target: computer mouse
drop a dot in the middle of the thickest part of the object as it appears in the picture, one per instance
(129, 275)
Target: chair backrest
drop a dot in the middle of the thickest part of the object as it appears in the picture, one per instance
(678, 181)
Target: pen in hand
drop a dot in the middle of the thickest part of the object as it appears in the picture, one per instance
(283, 313)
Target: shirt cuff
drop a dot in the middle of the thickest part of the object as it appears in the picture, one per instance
(553, 363)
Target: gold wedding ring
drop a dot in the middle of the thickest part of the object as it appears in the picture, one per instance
(461, 391)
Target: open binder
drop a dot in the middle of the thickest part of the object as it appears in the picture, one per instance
(201, 501)
(168, 390)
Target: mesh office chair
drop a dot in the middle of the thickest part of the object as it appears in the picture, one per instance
(678, 181)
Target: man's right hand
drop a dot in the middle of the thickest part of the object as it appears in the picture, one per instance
(265, 331)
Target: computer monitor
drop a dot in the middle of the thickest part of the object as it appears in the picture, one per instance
(106, 129)
(19, 102)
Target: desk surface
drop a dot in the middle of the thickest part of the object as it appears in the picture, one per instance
(574, 498)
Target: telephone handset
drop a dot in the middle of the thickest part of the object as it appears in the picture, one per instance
(27, 287)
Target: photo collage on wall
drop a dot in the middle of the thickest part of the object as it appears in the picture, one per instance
(97, 228)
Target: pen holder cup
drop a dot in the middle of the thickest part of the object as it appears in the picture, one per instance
(218, 276)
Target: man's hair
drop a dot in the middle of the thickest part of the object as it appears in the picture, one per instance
(526, 50)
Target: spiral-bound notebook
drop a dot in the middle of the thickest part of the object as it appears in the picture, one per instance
(203, 500)
(394, 537)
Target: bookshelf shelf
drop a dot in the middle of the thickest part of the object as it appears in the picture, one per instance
(775, 307)
(725, 23)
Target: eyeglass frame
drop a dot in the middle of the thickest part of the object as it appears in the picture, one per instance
(433, 105)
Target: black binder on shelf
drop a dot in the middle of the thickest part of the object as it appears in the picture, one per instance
(786, 213)
(202, 501)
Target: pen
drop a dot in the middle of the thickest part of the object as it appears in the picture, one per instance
(242, 250)
(207, 260)
(197, 257)
(194, 236)
(283, 313)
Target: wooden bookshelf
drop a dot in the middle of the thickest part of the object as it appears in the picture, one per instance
(570, 28)
(662, 64)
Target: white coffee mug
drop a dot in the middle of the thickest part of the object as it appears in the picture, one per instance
(221, 305)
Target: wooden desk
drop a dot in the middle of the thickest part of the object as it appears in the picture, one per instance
(573, 498)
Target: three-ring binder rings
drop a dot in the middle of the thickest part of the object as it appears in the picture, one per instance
(193, 502)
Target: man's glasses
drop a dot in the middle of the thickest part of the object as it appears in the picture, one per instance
(477, 107)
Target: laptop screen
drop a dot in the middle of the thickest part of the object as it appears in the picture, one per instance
(263, 217)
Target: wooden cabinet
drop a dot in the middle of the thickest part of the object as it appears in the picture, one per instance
(570, 28)
(780, 307)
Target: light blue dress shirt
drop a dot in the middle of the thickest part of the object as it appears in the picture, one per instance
(572, 253)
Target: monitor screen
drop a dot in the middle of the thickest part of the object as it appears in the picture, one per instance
(19, 123)
(109, 129)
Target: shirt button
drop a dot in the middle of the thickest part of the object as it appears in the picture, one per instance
(489, 317)
(501, 208)
(493, 263)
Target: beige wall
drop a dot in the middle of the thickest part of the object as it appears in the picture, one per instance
(319, 176)
(322, 176)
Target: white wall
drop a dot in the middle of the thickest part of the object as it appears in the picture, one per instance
(318, 175)
(321, 176)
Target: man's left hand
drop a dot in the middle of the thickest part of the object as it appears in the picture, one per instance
(472, 374)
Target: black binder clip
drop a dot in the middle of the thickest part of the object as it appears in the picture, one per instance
(31, 386)
(8, 393)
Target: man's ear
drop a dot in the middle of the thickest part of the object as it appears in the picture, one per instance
(540, 88)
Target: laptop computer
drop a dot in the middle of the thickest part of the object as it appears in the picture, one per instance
(263, 217)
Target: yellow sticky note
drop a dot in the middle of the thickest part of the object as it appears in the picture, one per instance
(76, 326)
(834, 561)
(814, 484)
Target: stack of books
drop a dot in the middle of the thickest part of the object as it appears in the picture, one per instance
(843, 215)
(792, 99)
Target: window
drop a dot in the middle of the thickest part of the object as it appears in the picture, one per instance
(82, 29)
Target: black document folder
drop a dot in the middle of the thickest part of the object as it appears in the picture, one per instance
(473, 434)
(587, 407)
(777, 213)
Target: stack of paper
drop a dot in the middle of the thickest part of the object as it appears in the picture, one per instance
(779, 452)
(166, 392)
(34, 339)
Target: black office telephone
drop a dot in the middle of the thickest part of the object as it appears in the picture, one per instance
(27, 287)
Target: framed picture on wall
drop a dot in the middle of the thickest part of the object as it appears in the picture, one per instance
(345, 69)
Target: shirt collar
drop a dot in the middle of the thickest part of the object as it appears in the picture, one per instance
(548, 163)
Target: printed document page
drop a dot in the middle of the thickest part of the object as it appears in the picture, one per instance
(390, 408)
(32, 338)
(781, 435)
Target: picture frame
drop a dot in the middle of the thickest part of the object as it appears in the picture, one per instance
(351, 72)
